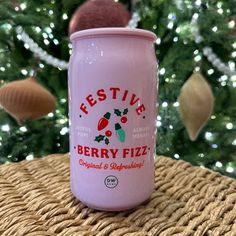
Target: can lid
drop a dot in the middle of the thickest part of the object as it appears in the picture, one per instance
(118, 31)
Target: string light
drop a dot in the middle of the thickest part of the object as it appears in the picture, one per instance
(229, 169)
(176, 156)
(5, 128)
(23, 129)
(64, 130)
(219, 164)
(30, 157)
(229, 126)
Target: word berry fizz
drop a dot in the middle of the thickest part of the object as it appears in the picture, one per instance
(112, 109)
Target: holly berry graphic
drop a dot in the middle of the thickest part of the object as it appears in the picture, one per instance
(103, 122)
(123, 119)
(120, 133)
(108, 133)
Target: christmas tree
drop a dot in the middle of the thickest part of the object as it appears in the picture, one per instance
(193, 36)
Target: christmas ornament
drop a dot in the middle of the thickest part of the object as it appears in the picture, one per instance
(120, 133)
(103, 122)
(26, 99)
(196, 103)
(98, 14)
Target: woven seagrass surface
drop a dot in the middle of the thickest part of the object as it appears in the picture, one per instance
(35, 199)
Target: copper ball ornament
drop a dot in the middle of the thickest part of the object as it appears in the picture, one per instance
(98, 14)
(26, 99)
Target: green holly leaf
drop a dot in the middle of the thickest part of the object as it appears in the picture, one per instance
(117, 112)
(99, 138)
(107, 141)
(125, 111)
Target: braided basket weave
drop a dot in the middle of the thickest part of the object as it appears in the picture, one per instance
(35, 200)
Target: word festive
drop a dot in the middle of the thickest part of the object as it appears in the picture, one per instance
(112, 152)
(112, 94)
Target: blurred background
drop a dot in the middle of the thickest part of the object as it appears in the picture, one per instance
(196, 50)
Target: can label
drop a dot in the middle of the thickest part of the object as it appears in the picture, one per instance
(118, 134)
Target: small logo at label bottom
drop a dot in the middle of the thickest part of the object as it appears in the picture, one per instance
(111, 181)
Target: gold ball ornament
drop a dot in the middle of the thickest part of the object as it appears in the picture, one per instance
(196, 102)
(26, 99)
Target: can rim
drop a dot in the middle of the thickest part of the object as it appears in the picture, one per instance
(115, 31)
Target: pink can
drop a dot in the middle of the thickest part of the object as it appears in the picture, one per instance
(112, 110)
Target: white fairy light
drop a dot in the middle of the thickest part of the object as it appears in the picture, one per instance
(29, 157)
(223, 78)
(170, 25)
(46, 42)
(198, 2)
(231, 24)
(55, 41)
(210, 72)
(214, 29)
(231, 65)
(24, 72)
(175, 39)
(234, 142)
(2, 68)
(45, 35)
(162, 71)
(26, 45)
(38, 29)
(23, 129)
(158, 117)
(171, 126)
(158, 41)
(197, 58)
(176, 104)
(64, 16)
(218, 164)
(50, 114)
(164, 104)
(229, 126)
(213, 117)
(23, 6)
(176, 156)
(5, 128)
(208, 136)
(177, 30)
(220, 11)
(230, 169)
(63, 100)
(64, 130)
(158, 123)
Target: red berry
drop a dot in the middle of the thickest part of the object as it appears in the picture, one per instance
(108, 133)
(123, 119)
